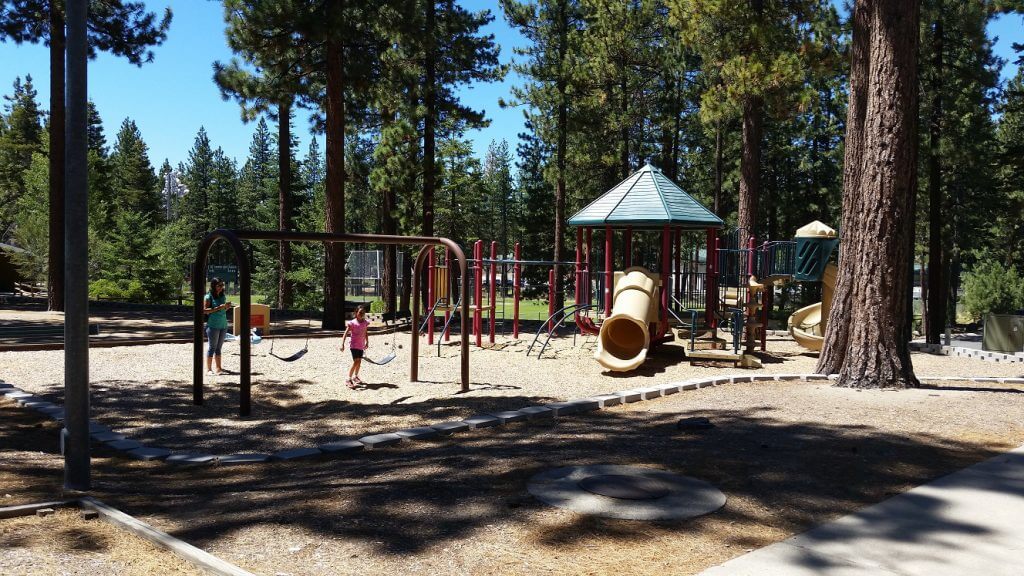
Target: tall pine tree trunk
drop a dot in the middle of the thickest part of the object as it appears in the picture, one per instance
(935, 318)
(718, 168)
(835, 346)
(750, 163)
(55, 275)
(879, 270)
(389, 275)
(284, 197)
(429, 122)
(563, 119)
(334, 260)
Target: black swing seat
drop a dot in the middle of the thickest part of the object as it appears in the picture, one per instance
(293, 357)
(382, 361)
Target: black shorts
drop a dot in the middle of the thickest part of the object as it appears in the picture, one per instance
(356, 353)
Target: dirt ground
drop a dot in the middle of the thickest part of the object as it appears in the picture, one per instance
(64, 543)
(788, 455)
(145, 392)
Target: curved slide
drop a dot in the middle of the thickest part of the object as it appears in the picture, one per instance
(624, 339)
(807, 325)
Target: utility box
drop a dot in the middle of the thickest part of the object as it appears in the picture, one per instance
(1003, 333)
(814, 245)
(259, 317)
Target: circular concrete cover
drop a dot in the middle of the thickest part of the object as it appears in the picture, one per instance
(623, 486)
(626, 492)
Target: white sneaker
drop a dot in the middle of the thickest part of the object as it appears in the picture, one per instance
(210, 373)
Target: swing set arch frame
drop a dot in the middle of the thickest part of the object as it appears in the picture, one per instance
(234, 239)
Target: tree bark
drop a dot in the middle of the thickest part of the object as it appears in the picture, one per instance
(429, 122)
(389, 275)
(563, 115)
(834, 348)
(55, 264)
(718, 168)
(334, 253)
(879, 270)
(750, 163)
(284, 195)
(935, 319)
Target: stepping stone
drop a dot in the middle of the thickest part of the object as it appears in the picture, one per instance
(16, 393)
(762, 378)
(508, 416)
(482, 421)
(446, 428)
(39, 406)
(342, 447)
(23, 401)
(107, 436)
(695, 423)
(296, 454)
(374, 441)
(629, 396)
(44, 512)
(573, 406)
(650, 392)
(537, 412)
(124, 444)
(243, 459)
(608, 400)
(190, 458)
(145, 453)
(667, 389)
(418, 433)
(689, 386)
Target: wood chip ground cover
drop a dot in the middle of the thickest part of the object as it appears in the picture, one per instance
(145, 392)
(788, 455)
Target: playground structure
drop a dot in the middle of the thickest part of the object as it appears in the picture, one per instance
(715, 283)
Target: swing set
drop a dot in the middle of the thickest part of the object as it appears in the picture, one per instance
(234, 239)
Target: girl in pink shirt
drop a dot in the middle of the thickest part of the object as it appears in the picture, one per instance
(360, 341)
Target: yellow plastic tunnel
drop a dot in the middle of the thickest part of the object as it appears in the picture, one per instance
(624, 338)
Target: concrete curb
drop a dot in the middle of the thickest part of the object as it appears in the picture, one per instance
(440, 430)
(987, 356)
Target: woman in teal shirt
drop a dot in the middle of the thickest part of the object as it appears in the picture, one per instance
(214, 306)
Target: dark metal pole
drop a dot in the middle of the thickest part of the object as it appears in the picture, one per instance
(75, 435)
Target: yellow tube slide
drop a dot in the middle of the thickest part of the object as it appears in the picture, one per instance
(624, 338)
(807, 325)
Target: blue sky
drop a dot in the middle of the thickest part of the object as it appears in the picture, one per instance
(170, 98)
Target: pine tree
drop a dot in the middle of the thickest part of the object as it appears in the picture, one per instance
(497, 176)
(20, 138)
(760, 51)
(1007, 228)
(553, 29)
(198, 176)
(869, 327)
(135, 185)
(121, 28)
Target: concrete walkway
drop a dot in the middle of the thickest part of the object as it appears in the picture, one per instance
(970, 522)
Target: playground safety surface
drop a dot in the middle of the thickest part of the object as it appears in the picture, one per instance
(788, 455)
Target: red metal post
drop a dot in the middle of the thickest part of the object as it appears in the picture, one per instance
(627, 248)
(590, 245)
(447, 312)
(490, 292)
(431, 300)
(516, 272)
(678, 288)
(608, 288)
(478, 255)
(578, 288)
(666, 278)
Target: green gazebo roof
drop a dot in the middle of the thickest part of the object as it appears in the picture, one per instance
(647, 198)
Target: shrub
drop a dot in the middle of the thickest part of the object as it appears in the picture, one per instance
(991, 288)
